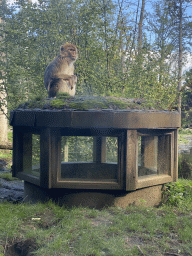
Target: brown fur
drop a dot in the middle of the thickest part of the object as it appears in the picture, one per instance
(59, 74)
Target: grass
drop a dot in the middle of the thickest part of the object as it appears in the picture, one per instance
(56, 230)
(182, 135)
(48, 229)
(7, 176)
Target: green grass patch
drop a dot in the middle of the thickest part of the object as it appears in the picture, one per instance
(7, 176)
(114, 231)
(186, 131)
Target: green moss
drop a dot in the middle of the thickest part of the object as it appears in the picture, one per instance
(57, 103)
(118, 103)
(63, 95)
(88, 104)
(65, 101)
(7, 176)
(35, 104)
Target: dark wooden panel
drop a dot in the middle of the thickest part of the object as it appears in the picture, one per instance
(45, 158)
(89, 171)
(17, 151)
(121, 119)
(175, 165)
(84, 119)
(30, 178)
(55, 168)
(23, 118)
(53, 118)
(146, 119)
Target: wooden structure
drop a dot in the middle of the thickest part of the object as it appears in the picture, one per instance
(146, 148)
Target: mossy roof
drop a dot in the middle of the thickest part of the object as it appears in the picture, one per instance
(65, 102)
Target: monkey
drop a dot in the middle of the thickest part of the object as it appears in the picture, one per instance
(59, 74)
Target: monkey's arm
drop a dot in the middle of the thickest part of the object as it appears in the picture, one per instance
(72, 79)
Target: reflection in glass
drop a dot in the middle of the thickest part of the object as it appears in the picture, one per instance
(111, 150)
(76, 149)
(36, 155)
(89, 158)
(31, 156)
(153, 155)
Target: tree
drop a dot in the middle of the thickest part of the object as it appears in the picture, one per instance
(177, 10)
(3, 107)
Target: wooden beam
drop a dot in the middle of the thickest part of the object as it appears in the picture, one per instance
(6, 146)
(131, 160)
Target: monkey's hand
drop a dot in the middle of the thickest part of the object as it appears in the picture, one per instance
(72, 81)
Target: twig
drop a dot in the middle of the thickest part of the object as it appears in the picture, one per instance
(138, 247)
(171, 254)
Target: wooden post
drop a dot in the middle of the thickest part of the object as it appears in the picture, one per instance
(175, 168)
(17, 151)
(65, 148)
(99, 149)
(45, 158)
(27, 153)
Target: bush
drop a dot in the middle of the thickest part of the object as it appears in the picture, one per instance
(185, 166)
(175, 193)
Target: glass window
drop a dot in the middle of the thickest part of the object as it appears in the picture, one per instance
(154, 155)
(89, 158)
(112, 150)
(31, 159)
(76, 149)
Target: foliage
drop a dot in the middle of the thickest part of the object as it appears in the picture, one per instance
(185, 166)
(33, 32)
(7, 176)
(185, 131)
(175, 193)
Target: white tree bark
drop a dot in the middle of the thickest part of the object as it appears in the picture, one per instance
(3, 111)
(3, 118)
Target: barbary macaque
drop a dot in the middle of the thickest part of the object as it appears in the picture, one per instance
(59, 74)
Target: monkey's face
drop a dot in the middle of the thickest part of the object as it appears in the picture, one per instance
(69, 51)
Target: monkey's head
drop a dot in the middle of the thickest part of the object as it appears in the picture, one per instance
(69, 51)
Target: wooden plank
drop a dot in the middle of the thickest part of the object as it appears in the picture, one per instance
(175, 165)
(122, 145)
(99, 149)
(131, 160)
(148, 181)
(17, 151)
(110, 185)
(55, 169)
(27, 153)
(29, 178)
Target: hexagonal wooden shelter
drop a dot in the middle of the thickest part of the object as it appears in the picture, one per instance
(144, 142)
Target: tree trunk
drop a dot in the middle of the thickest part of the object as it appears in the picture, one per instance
(3, 119)
(3, 111)
(180, 54)
(140, 26)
